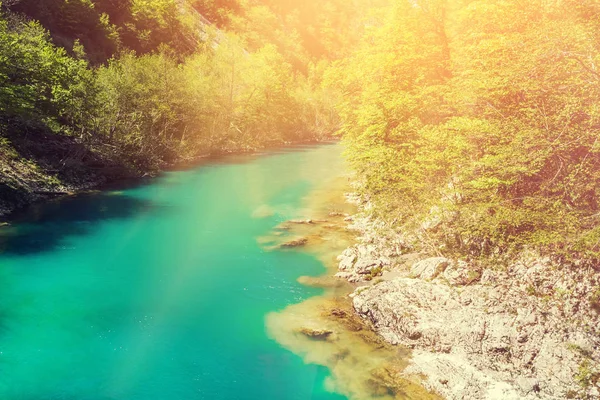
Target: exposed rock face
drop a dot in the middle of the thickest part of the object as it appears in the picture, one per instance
(529, 331)
(373, 251)
(430, 268)
(460, 273)
(489, 340)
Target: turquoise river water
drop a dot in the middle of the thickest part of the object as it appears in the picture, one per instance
(160, 291)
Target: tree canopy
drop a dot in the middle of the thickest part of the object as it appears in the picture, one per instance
(475, 123)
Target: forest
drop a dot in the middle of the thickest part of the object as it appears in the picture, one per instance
(472, 124)
(92, 90)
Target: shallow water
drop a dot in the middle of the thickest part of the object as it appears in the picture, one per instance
(161, 291)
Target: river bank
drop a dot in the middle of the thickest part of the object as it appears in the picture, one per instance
(325, 330)
(23, 183)
(526, 331)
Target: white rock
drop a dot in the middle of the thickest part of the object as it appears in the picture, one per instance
(429, 268)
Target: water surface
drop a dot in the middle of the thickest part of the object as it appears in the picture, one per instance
(160, 291)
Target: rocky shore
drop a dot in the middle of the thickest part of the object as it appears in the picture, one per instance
(324, 329)
(530, 330)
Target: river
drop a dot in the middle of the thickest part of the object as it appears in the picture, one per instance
(161, 290)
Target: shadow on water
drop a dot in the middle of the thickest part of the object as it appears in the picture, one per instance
(45, 227)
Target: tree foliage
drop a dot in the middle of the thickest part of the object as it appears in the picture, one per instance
(476, 123)
(107, 27)
(151, 102)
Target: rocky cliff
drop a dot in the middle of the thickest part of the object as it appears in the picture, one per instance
(527, 331)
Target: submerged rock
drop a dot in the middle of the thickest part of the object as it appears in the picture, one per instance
(384, 381)
(294, 243)
(321, 281)
(348, 319)
(301, 221)
(316, 334)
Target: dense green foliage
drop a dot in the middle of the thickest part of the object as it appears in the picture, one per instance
(39, 83)
(303, 32)
(216, 101)
(104, 27)
(137, 85)
(475, 123)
